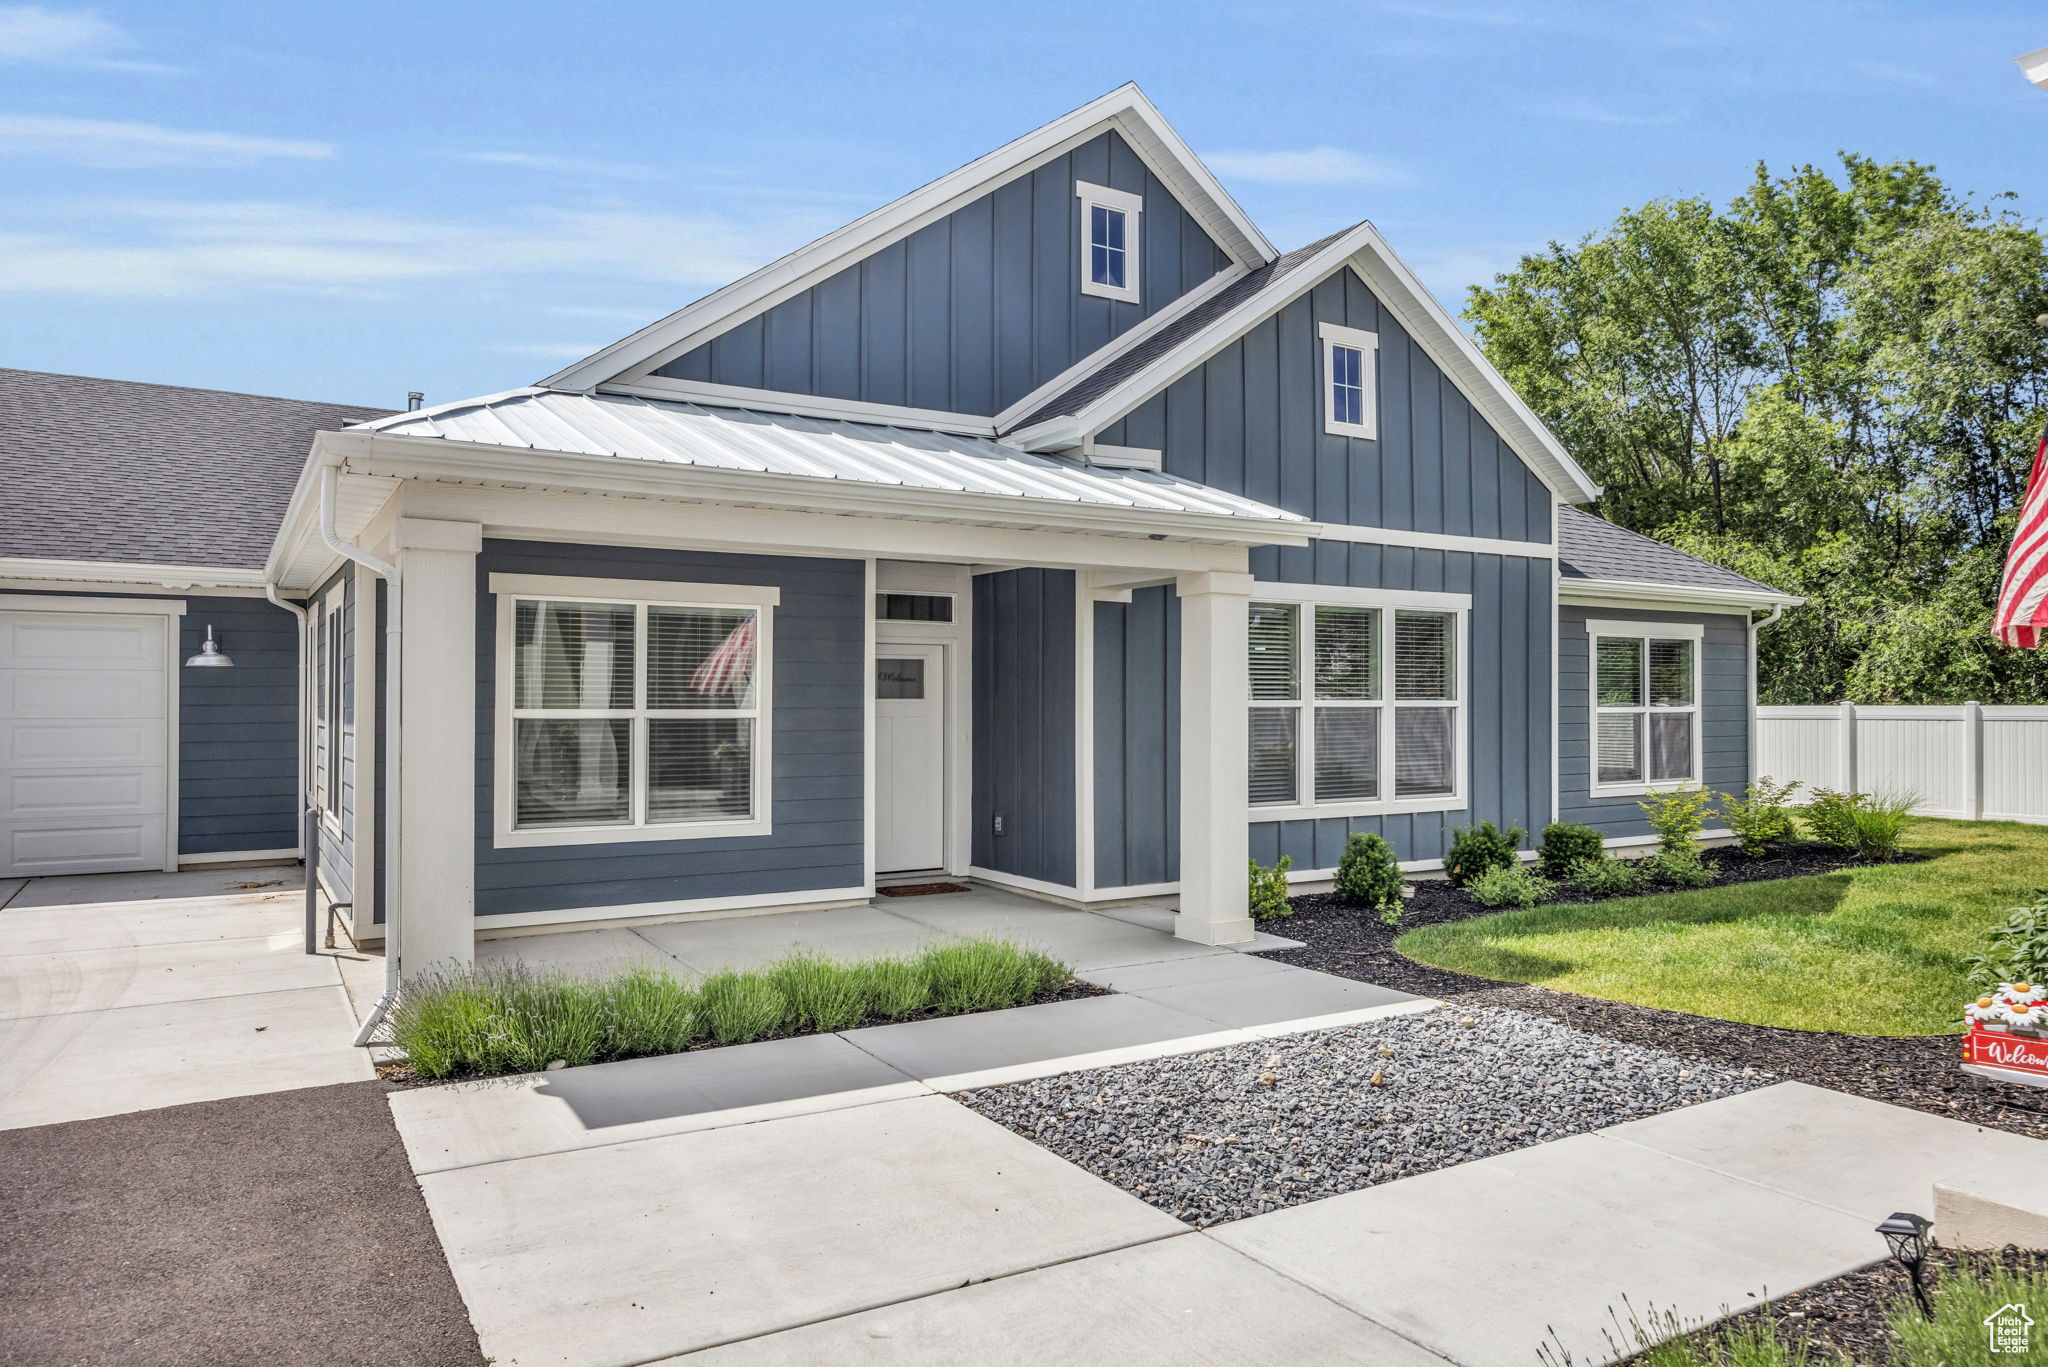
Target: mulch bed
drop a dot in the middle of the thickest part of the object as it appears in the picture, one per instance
(1920, 1072)
(1845, 1319)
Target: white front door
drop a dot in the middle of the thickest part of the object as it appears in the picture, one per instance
(84, 742)
(910, 757)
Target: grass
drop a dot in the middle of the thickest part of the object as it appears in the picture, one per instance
(508, 1018)
(1876, 950)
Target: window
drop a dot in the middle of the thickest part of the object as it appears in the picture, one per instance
(631, 719)
(1645, 705)
(1355, 704)
(914, 607)
(1350, 390)
(329, 674)
(1109, 242)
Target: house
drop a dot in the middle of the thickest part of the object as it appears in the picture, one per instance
(1045, 526)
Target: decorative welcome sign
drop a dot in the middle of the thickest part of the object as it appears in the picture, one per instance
(2008, 1037)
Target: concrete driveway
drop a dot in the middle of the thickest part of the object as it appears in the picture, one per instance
(123, 992)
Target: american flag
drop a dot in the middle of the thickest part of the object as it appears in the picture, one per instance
(2022, 615)
(727, 667)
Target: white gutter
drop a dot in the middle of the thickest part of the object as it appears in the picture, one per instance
(305, 696)
(1755, 626)
(393, 599)
(1595, 591)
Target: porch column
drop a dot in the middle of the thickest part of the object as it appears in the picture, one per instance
(1214, 847)
(436, 920)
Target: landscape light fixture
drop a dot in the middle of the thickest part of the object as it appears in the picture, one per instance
(1906, 1235)
(209, 656)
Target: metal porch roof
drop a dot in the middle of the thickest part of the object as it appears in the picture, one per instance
(743, 440)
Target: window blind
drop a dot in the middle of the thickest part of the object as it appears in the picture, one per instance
(1347, 653)
(1347, 753)
(1273, 760)
(1670, 673)
(1424, 739)
(1425, 645)
(1275, 652)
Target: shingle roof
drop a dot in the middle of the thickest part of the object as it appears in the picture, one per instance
(1590, 547)
(1119, 368)
(149, 474)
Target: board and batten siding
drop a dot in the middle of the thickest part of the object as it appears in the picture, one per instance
(817, 709)
(1024, 718)
(1250, 420)
(1137, 740)
(974, 311)
(238, 736)
(1724, 714)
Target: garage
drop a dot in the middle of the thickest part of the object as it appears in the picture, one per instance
(86, 709)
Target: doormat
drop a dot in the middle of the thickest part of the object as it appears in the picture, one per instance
(922, 889)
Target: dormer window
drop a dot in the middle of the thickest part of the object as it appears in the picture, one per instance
(1109, 242)
(1350, 391)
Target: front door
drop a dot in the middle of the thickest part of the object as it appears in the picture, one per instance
(910, 757)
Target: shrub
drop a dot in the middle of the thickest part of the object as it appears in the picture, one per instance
(820, 995)
(740, 1008)
(1510, 885)
(647, 1011)
(1368, 875)
(2016, 952)
(1269, 890)
(1880, 824)
(1676, 817)
(1684, 868)
(896, 987)
(498, 1018)
(1565, 845)
(1604, 877)
(1759, 817)
(1831, 819)
(986, 975)
(1475, 849)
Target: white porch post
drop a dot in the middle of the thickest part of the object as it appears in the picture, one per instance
(436, 915)
(1214, 623)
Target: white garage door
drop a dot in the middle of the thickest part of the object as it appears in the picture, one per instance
(84, 740)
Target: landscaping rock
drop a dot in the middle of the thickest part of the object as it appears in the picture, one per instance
(1208, 1137)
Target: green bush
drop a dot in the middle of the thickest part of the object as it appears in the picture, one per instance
(647, 1011)
(985, 975)
(1368, 875)
(1604, 877)
(1269, 890)
(2016, 952)
(819, 995)
(1565, 845)
(1676, 817)
(740, 1008)
(1759, 818)
(1682, 868)
(1831, 817)
(1880, 823)
(1475, 849)
(897, 987)
(1511, 885)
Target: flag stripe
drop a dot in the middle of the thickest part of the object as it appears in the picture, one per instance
(2022, 612)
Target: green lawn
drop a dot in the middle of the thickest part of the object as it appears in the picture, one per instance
(1871, 951)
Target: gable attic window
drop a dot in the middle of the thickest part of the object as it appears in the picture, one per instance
(1109, 242)
(1350, 382)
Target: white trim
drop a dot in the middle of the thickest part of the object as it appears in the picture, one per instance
(1084, 737)
(802, 405)
(1122, 457)
(870, 653)
(174, 577)
(1400, 806)
(646, 913)
(636, 590)
(1694, 634)
(123, 607)
(1670, 631)
(1627, 593)
(1132, 207)
(123, 586)
(1556, 678)
(290, 856)
(1367, 344)
(1021, 883)
(505, 834)
(1274, 591)
(1436, 541)
(1125, 108)
(365, 875)
(1129, 891)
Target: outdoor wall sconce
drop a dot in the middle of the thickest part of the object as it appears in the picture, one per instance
(209, 656)
(1906, 1235)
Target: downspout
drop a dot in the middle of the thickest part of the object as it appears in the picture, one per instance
(306, 835)
(1755, 626)
(389, 811)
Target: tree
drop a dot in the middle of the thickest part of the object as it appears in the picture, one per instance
(1834, 384)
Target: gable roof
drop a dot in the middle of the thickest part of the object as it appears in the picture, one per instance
(149, 474)
(1135, 370)
(1125, 109)
(1590, 547)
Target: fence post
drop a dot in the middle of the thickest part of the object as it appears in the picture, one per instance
(1847, 752)
(1973, 762)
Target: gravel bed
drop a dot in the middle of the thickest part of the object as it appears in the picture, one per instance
(1259, 1127)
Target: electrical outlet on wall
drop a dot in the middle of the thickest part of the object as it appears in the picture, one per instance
(999, 823)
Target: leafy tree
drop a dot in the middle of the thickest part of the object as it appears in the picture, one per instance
(1834, 384)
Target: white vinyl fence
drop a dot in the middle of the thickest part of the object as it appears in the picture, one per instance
(1973, 762)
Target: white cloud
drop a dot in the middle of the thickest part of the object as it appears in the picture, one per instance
(32, 34)
(103, 142)
(1312, 166)
(568, 166)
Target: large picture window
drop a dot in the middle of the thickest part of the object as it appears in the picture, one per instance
(1355, 706)
(632, 719)
(1646, 731)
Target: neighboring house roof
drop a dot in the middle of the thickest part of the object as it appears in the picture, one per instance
(1125, 109)
(742, 443)
(149, 474)
(1590, 547)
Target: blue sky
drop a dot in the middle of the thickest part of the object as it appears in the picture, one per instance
(344, 202)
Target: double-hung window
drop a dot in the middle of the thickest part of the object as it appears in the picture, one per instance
(1350, 381)
(1646, 729)
(631, 710)
(1109, 241)
(1356, 704)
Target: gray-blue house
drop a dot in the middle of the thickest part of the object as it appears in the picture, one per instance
(1046, 526)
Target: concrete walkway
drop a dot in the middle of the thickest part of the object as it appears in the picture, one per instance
(121, 992)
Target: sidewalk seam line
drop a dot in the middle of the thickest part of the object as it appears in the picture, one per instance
(183, 1001)
(1285, 1275)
